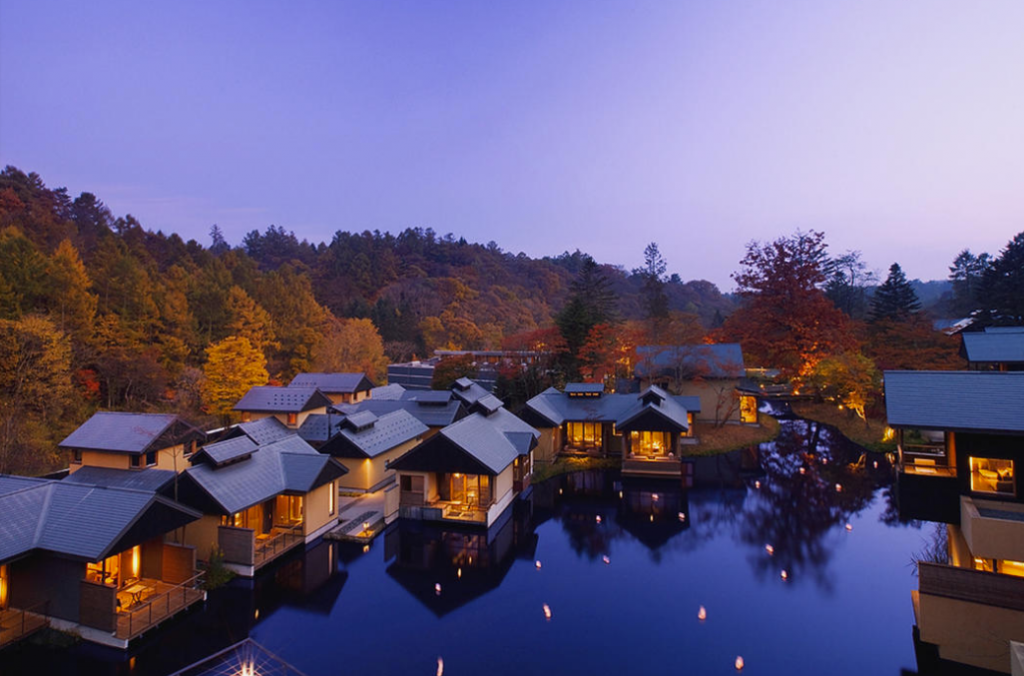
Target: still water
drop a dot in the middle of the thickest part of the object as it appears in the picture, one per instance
(621, 572)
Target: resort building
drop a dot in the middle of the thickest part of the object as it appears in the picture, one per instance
(961, 449)
(340, 388)
(365, 443)
(290, 405)
(997, 348)
(713, 373)
(132, 441)
(436, 409)
(259, 500)
(647, 430)
(469, 472)
(93, 557)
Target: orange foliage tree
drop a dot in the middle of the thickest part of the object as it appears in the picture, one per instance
(785, 320)
(912, 344)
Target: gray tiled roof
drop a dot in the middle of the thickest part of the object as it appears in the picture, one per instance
(151, 479)
(265, 430)
(361, 419)
(428, 414)
(73, 519)
(721, 360)
(289, 464)
(489, 403)
(333, 383)
(438, 397)
(230, 450)
(268, 399)
(559, 408)
(955, 400)
(383, 392)
(470, 392)
(390, 430)
(995, 347)
(320, 427)
(655, 399)
(124, 432)
(584, 388)
(487, 438)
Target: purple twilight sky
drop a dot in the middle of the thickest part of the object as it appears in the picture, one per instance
(895, 127)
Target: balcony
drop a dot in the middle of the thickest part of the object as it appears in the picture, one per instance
(245, 552)
(993, 529)
(17, 623)
(160, 602)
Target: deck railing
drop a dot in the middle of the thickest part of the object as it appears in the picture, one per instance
(17, 623)
(278, 544)
(974, 586)
(159, 607)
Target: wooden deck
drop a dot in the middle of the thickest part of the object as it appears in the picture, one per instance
(283, 540)
(164, 602)
(662, 467)
(16, 624)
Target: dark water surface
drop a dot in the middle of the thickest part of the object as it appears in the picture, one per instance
(844, 609)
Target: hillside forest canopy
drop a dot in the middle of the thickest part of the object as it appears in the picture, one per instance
(98, 312)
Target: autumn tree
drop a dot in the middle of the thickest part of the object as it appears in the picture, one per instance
(591, 303)
(450, 369)
(36, 394)
(849, 379)
(895, 298)
(233, 367)
(249, 320)
(785, 320)
(912, 344)
(847, 277)
(72, 303)
(352, 346)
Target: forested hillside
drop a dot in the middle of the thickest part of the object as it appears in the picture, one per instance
(98, 311)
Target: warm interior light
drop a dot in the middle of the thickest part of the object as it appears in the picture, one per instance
(135, 561)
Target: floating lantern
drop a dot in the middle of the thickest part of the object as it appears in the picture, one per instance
(702, 614)
(559, 491)
(547, 612)
(366, 548)
(839, 488)
(739, 663)
(785, 575)
(437, 588)
(440, 667)
(682, 516)
(757, 484)
(849, 527)
(654, 497)
(824, 461)
(458, 573)
(606, 559)
(769, 549)
(598, 518)
(802, 470)
(620, 495)
(876, 464)
(537, 563)
(652, 518)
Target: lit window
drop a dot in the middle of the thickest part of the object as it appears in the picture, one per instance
(650, 443)
(293, 419)
(689, 433)
(246, 416)
(1015, 568)
(330, 499)
(748, 409)
(585, 434)
(991, 475)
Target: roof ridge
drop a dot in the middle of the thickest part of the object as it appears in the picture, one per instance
(44, 513)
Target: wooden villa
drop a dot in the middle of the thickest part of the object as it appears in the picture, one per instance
(470, 472)
(961, 448)
(259, 500)
(997, 348)
(132, 441)
(340, 388)
(94, 558)
(290, 405)
(647, 431)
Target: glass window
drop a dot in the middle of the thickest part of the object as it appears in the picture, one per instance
(748, 409)
(331, 495)
(689, 433)
(3, 586)
(1015, 568)
(76, 456)
(991, 475)
(584, 434)
(246, 416)
(150, 458)
(293, 419)
(651, 443)
(136, 461)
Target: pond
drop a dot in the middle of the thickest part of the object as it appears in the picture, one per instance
(622, 567)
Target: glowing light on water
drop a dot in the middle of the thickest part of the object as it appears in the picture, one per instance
(769, 549)
(739, 663)
(597, 518)
(606, 559)
(702, 614)
(547, 612)
(682, 516)
(785, 575)
(440, 667)
(437, 588)
(849, 526)
(757, 484)
(537, 563)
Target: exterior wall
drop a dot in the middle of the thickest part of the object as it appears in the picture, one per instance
(969, 633)
(370, 473)
(203, 535)
(283, 417)
(710, 391)
(98, 606)
(102, 459)
(40, 578)
(173, 459)
(992, 538)
(238, 544)
(178, 563)
(502, 484)
(549, 444)
(317, 511)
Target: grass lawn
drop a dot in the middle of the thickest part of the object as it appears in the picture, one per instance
(853, 428)
(714, 441)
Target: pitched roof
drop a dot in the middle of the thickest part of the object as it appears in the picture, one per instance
(390, 430)
(319, 427)
(393, 391)
(151, 479)
(492, 442)
(584, 388)
(995, 346)
(558, 408)
(81, 520)
(720, 360)
(130, 432)
(224, 452)
(955, 400)
(263, 431)
(471, 392)
(289, 464)
(426, 412)
(333, 383)
(268, 399)
(651, 405)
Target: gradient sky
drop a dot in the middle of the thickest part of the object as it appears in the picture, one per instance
(895, 127)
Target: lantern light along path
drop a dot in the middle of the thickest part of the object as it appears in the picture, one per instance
(839, 488)
(802, 470)
(702, 614)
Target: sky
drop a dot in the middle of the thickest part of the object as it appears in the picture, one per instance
(897, 128)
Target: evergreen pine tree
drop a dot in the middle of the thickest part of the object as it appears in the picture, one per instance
(1001, 294)
(895, 298)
